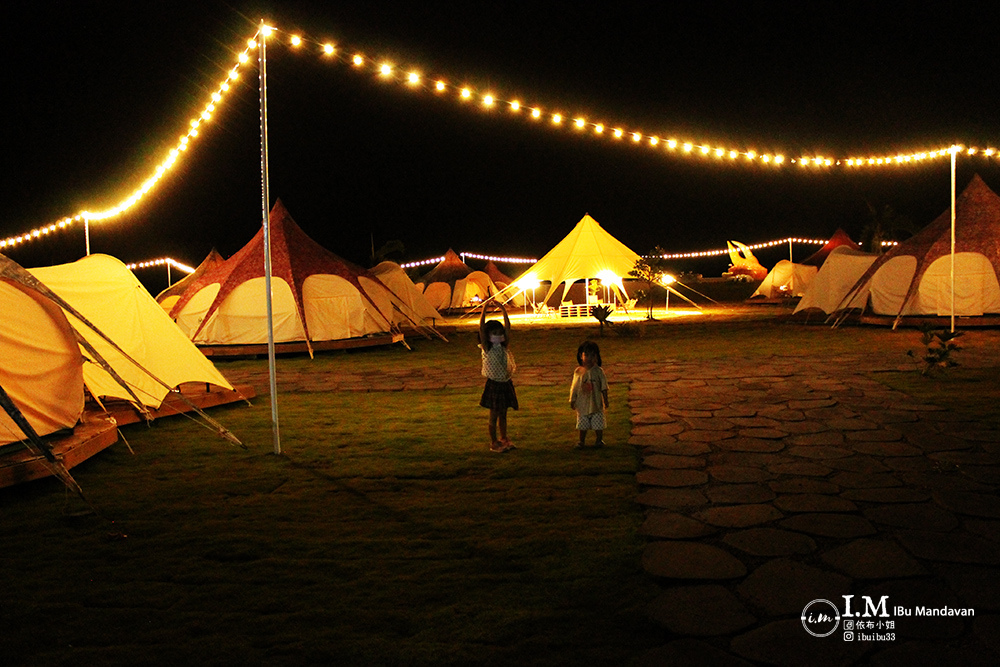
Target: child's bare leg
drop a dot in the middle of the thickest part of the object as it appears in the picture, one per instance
(493, 426)
(502, 423)
(583, 437)
(600, 437)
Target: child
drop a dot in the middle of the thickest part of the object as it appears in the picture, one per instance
(498, 365)
(589, 393)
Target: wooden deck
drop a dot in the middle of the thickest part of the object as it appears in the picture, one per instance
(98, 430)
(299, 347)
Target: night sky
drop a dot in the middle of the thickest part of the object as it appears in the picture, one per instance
(96, 92)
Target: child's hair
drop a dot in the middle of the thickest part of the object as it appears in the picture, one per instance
(492, 327)
(592, 350)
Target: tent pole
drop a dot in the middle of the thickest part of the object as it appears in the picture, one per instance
(266, 201)
(789, 249)
(953, 156)
(86, 233)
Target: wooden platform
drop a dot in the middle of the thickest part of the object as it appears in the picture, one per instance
(938, 322)
(98, 430)
(299, 347)
(95, 433)
(199, 393)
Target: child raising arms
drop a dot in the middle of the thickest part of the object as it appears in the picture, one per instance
(589, 393)
(498, 365)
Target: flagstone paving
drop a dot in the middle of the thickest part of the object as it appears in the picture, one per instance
(768, 485)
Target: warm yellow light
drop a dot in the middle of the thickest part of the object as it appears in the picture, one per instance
(243, 58)
(466, 93)
(515, 106)
(667, 279)
(765, 158)
(688, 147)
(536, 113)
(296, 40)
(636, 137)
(267, 30)
(251, 43)
(751, 155)
(328, 50)
(488, 100)
(719, 152)
(607, 276)
(580, 123)
(618, 133)
(358, 60)
(413, 78)
(671, 144)
(654, 141)
(439, 86)
(598, 129)
(385, 69)
(733, 155)
(556, 118)
(527, 282)
(779, 159)
(989, 152)
(972, 151)
(704, 150)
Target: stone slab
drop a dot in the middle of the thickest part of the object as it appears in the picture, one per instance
(830, 525)
(872, 559)
(739, 516)
(673, 526)
(690, 560)
(770, 542)
(700, 611)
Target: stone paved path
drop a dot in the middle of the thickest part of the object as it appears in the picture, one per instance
(768, 485)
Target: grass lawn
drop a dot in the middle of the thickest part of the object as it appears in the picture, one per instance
(386, 533)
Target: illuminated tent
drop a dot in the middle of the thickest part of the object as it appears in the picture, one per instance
(316, 295)
(786, 279)
(438, 284)
(789, 279)
(913, 278)
(587, 252)
(95, 311)
(499, 278)
(410, 304)
(110, 297)
(168, 297)
(841, 270)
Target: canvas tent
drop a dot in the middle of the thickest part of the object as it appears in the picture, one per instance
(89, 323)
(786, 279)
(914, 277)
(587, 252)
(410, 304)
(438, 284)
(841, 270)
(316, 295)
(789, 279)
(168, 297)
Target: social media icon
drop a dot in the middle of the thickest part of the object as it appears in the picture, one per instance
(848, 636)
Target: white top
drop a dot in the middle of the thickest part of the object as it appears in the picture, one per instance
(495, 363)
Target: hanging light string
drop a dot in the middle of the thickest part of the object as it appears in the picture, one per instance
(168, 261)
(756, 246)
(169, 161)
(488, 100)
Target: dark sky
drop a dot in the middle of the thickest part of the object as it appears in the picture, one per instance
(96, 92)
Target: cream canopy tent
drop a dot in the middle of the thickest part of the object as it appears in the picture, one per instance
(168, 297)
(786, 279)
(588, 251)
(316, 295)
(108, 295)
(410, 303)
(913, 278)
(842, 268)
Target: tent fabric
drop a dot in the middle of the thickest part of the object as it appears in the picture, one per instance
(410, 302)
(839, 239)
(226, 305)
(108, 295)
(496, 275)
(471, 290)
(840, 271)
(786, 279)
(438, 295)
(588, 251)
(168, 297)
(41, 367)
(898, 285)
(448, 270)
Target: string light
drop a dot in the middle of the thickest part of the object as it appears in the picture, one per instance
(386, 70)
(756, 246)
(173, 154)
(160, 262)
(493, 258)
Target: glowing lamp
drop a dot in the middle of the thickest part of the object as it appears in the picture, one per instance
(704, 150)
(439, 86)
(413, 78)
(618, 133)
(607, 276)
(328, 50)
(488, 100)
(598, 129)
(358, 60)
(654, 141)
(244, 58)
(515, 106)
(466, 93)
(527, 282)
(580, 123)
(385, 69)
(536, 113)
(267, 30)
(296, 40)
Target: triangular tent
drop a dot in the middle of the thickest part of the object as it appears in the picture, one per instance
(913, 278)
(103, 291)
(410, 304)
(785, 280)
(496, 275)
(168, 297)
(588, 251)
(316, 295)
(840, 271)
(839, 238)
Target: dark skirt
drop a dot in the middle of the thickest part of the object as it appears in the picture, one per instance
(499, 396)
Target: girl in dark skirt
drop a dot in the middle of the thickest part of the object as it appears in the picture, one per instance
(498, 366)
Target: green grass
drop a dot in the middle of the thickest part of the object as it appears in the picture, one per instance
(386, 533)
